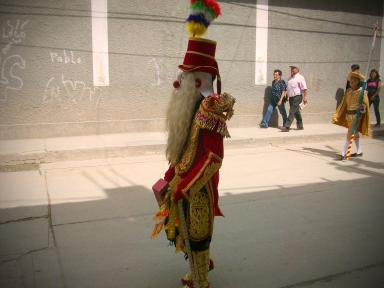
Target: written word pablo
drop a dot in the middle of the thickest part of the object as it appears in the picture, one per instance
(65, 57)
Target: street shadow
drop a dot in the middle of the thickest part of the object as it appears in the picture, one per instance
(288, 229)
(331, 153)
(359, 162)
(106, 242)
(95, 243)
(377, 132)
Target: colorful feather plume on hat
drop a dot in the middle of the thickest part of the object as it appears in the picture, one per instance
(201, 14)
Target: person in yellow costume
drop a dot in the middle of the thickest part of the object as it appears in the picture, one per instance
(346, 113)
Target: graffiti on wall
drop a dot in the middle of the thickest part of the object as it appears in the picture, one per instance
(62, 89)
(11, 63)
(69, 90)
(157, 69)
(65, 57)
(160, 72)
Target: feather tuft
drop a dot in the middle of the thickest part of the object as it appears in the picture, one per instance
(214, 6)
(201, 14)
(195, 29)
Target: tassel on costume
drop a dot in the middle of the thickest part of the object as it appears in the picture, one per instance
(160, 218)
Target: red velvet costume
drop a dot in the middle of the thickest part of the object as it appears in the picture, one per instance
(195, 178)
(202, 159)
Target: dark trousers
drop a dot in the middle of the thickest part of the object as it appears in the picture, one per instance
(294, 111)
(376, 102)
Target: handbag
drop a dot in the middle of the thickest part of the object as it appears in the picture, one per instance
(159, 189)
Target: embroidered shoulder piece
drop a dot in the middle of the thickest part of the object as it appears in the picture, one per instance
(213, 113)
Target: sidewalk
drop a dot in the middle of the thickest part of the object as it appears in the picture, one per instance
(35, 151)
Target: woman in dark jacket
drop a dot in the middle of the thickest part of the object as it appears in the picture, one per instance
(373, 88)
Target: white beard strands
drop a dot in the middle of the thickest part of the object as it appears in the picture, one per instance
(180, 114)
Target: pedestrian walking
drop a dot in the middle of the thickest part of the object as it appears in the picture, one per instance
(279, 91)
(297, 94)
(346, 113)
(354, 68)
(373, 88)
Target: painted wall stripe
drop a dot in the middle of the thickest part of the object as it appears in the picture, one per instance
(261, 55)
(381, 33)
(100, 42)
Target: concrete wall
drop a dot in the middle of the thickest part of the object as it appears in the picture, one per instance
(46, 85)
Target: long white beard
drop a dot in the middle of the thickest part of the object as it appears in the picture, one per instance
(180, 114)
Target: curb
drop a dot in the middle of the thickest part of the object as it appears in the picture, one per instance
(118, 151)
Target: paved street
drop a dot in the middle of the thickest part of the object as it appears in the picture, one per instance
(294, 217)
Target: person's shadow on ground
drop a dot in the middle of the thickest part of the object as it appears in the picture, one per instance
(331, 153)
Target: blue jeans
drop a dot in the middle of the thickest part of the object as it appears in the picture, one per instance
(269, 112)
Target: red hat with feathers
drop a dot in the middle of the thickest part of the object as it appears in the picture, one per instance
(200, 55)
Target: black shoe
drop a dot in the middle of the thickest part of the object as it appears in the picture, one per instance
(342, 158)
(284, 129)
(299, 126)
(357, 154)
(262, 125)
(377, 125)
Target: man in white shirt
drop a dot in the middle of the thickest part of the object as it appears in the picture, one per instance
(297, 93)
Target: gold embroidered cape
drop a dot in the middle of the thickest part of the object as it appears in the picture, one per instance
(349, 104)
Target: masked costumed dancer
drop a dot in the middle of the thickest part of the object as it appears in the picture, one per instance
(346, 113)
(196, 124)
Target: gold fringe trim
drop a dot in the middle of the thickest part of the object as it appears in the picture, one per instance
(209, 120)
(190, 152)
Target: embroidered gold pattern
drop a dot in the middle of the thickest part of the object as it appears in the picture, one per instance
(214, 111)
(209, 120)
(208, 173)
(190, 152)
(201, 263)
(199, 216)
(173, 214)
(209, 188)
(173, 220)
(174, 182)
